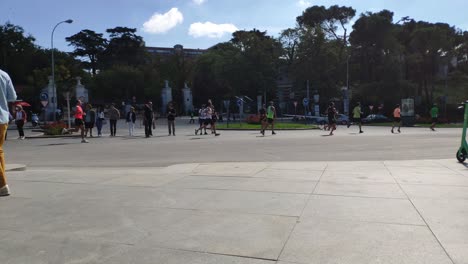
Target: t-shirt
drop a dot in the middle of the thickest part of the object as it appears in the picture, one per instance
(435, 112)
(262, 113)
(271, 112)
(79, 112)
(331, 113)
(397, 113)
(171, 113)
(7, 94)
(357, 112)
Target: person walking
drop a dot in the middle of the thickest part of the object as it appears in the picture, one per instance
(434, 115)
(148, 117)
(7, 94)
(99, 120)
(79, 123)
(357, 117)
(331, 112)
(20, 120)
(131, 119)
(271, 116)
(396, 118)
(171, 115)
(263, 119)
(114, 116)
(90, 120)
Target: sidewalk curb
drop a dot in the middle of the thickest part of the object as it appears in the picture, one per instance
(280, 129)
(62, 136)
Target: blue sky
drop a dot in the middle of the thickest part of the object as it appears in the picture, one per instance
(198, 23)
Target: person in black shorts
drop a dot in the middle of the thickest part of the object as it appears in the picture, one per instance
(331, 112)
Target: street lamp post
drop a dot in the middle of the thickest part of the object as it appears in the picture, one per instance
(54, 96)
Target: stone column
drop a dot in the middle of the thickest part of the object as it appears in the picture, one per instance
(188, 99)
(166, 96)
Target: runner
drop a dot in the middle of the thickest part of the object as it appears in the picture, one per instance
(214, 119)
(205, 120)
(263, 119)
(331, 112)
(357, 112)
(435, 116)
(79, 123)
(271, 116)
(148, 117)
(397, 118)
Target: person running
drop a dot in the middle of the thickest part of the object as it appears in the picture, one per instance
(396, 118)
(331, 112)
(99, 120)
(114, 115)
(263, 119)
(171, 115)
(148, 117)
(20, 120)
(271, 116)
(357, 113)
(90, 120)
(434, 116)
(214, 119)
(131, 119)
(79, 123)
(7, 94)
(205, 120)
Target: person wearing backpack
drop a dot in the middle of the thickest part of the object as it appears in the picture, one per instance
(20, 120)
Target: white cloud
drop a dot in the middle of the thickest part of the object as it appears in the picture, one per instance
(304, 3)
(210, 30)
(198, 2)
(162, 23)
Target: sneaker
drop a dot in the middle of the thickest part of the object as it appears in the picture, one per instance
(23, 138)
(392, 131)
(206, 133)
(4, 191)
(349, 125)
(399, 131)
(84, 141)
(262, 132)
(217, 134)
(273, 133)
(360, 132)
(196, 131)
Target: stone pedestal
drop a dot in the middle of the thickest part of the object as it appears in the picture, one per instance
(166, 97)
(188, 99)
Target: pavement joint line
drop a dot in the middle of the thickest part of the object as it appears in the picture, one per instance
(354, 196)
(218, 254)
(363, 221)
(240, 190)
(424, 220)
(302, 213)
(457, 172)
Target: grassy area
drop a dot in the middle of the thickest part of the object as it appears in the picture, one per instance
(278, 126)
(419, 125)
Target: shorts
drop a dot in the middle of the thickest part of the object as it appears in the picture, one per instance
(435, 120)
(332, 121)
(89, 124)
(397, 119)
(357, 120)
(207, 122)
(270, 120)
(79, 122)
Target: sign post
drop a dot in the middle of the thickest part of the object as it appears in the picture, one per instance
(305, 102)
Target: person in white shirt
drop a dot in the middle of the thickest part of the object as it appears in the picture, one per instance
(7, 94)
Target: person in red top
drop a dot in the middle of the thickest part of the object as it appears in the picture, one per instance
(397, 118)
(79, 123)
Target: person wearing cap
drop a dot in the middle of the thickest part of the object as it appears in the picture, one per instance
(7, 94)
(397, 118)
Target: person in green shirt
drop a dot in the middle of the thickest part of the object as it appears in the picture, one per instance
(435, 115)
(357, 114)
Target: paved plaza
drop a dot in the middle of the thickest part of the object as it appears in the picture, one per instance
(298, 197)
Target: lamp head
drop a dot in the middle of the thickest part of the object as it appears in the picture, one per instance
(69, 21)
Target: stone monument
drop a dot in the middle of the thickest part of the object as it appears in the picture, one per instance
(166, 96)
(188, 99)
(81, 92)
(46, 97)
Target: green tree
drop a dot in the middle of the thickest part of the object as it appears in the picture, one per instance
(89, 45)
(124, 47)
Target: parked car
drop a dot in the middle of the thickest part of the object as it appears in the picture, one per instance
(375, 119)
(342, 119)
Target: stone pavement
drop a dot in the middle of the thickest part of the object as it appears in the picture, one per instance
(405, 212)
